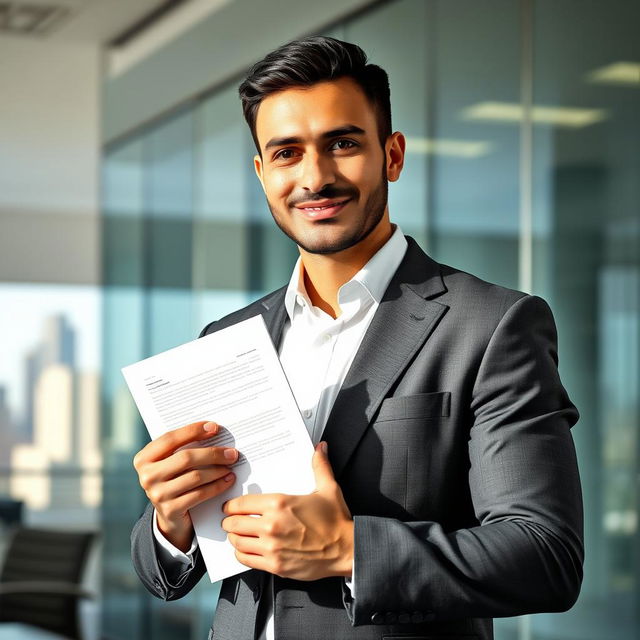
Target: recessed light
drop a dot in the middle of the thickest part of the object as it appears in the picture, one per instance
(621, 73)
(30, 19)
(449, 147)
(571, 117)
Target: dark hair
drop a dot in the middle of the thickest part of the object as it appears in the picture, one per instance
(305, 62)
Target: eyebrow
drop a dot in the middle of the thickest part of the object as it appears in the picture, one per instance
(349, 129)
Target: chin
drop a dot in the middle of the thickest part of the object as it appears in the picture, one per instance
(328, 246)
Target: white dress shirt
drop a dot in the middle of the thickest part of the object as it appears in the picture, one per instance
(316, 352)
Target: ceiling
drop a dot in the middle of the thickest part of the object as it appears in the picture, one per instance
(84, 21)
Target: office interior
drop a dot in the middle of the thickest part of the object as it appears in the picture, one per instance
(130, 217)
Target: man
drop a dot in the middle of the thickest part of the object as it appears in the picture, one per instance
(447, 486)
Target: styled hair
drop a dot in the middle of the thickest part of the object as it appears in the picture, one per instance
(305, 62)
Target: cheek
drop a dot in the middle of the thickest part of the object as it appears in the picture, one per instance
(277, 186)
(362, 173)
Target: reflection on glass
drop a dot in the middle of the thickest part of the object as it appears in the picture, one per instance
(123, 342)
(474, 217)
(587, 264)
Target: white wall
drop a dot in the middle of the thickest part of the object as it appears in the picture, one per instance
(49, 153)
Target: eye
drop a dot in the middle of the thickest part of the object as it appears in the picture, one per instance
(284, 154)
(343, 145)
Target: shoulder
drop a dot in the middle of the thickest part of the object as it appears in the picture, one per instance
(470, 291)
(258, 307)
(490, 312)
(477, 308)
(460, 291)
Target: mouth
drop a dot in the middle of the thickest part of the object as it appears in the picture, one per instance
(321, 210)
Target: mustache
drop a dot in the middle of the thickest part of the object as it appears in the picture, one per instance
(329, 192)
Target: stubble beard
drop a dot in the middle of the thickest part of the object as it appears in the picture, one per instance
(374, 209)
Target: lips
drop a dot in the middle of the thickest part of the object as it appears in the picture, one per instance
(321, 210)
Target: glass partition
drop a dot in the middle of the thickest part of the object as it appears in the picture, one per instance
(523, 156)
(586, 263)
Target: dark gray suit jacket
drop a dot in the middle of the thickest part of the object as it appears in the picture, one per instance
(451, 441)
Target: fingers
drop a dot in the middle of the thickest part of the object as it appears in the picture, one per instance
(246, 544)
(182, 462)
(322, 467)
(268, 563)
(175, 508)
(243, 525)
(184, 483)
(256, 504)
(168, 442)
(254, 561)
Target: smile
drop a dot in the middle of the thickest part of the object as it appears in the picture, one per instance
(322, 211)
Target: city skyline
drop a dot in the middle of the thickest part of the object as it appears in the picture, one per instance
(25, 308)
(51, 447)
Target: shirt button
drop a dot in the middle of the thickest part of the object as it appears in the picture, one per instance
(377, 618)
(326, 337)
(307, 413)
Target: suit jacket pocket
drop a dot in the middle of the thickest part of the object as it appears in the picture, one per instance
(420, 405)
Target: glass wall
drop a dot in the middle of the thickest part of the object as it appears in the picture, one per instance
(586, 262)
(522, 167)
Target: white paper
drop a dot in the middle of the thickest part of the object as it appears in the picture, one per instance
(232, 377)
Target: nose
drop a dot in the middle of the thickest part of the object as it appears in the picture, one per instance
(317, 171)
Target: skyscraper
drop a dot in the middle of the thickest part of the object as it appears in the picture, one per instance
(58, 469)
(57, 346)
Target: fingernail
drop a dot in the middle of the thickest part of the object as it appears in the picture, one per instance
(324, 447)
(211, 427)
(228, 477)
(230, 454)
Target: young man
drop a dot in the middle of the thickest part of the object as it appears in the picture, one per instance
(447, 486)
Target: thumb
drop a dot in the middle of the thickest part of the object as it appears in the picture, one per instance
(322, 467)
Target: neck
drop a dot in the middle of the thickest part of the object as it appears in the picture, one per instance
(324, 274)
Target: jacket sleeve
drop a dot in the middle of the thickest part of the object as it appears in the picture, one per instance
(145, 557)
(526, 554)
(145, 561)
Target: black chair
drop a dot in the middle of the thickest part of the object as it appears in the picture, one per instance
(11, 512)
(40, 582)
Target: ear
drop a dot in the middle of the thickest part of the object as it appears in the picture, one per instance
(258, 167)
(394, 151)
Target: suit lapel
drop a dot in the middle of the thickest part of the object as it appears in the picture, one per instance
(275, 313)
(399, 328)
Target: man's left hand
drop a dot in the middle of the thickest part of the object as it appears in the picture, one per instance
(304, 537)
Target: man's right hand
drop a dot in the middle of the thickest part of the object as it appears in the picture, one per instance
(176, 480)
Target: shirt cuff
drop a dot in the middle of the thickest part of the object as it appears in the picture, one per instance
(350, 582)
(168, 554)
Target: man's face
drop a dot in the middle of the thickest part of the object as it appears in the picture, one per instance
(322, 167)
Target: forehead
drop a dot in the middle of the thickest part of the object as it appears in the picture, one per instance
(309, 111)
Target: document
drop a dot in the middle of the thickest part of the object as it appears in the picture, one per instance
(232, 377)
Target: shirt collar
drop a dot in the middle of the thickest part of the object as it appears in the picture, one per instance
(374, 277)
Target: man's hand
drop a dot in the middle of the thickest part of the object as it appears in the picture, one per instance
(302, 537)
(176, 480)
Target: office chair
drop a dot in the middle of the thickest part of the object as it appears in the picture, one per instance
(11, 512)
(40, 582)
